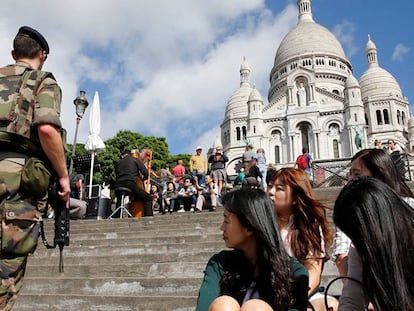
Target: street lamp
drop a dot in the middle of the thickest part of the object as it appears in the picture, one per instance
(80, 102)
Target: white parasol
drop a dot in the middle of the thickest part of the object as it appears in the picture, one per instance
(94, 142)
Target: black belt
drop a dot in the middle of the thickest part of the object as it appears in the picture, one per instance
(19, 144)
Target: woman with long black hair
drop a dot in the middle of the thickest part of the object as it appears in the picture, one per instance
(381, 226)
(257, 274)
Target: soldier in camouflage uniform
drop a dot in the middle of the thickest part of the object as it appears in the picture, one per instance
(30, 147)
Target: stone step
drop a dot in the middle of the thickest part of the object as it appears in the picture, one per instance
(156, 227)
(192, 255)
(205, 216)
(183, 269)
(113, 286)
(47, 301)
(142, 269)
(150, 263)
(134, 249)
(184, 218)
(141, 224)
(129, 239)
(104, 286)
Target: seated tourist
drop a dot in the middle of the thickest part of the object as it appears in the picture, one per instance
(253, 176)
(170, 198)
(156, 198)
(257, 274)
(303, 226)
(206, 194)
(380, 224)
(187, 196)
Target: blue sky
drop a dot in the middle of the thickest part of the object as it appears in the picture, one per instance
(168, 67)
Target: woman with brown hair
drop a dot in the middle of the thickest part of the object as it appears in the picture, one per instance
(303, 226)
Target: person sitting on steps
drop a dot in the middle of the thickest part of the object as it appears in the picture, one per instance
(170, 198)
(187, 196)
(127, 170)
(206, 194)
(257, 273)
(253, 174)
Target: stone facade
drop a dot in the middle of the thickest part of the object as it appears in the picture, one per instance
(314, 101)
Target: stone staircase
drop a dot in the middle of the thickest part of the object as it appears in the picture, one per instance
(152, 263)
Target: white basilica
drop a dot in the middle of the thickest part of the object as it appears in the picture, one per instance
(314, 101)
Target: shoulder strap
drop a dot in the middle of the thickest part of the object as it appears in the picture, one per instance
(24, 106)
(8, 108)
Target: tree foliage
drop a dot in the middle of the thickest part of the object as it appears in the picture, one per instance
(127, 140)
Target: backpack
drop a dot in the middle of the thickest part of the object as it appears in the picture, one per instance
(17, 99)
(302, 161)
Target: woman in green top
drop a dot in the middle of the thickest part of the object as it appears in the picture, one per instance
(257, 274)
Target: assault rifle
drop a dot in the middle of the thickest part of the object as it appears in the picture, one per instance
(61, 214)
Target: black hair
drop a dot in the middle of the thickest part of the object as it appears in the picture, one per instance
(255, 211)
(381, 226)
(382, 167)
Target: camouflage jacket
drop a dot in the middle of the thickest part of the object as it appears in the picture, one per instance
(39, 101)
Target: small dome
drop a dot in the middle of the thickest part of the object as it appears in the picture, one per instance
(351, 81)
(237, 103)
(255, 95)
(377, 82)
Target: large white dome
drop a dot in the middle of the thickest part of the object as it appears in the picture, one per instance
(307, 38)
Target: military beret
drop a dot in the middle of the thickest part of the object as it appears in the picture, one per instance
(35, 35)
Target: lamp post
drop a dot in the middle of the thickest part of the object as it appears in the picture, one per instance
(80, 102)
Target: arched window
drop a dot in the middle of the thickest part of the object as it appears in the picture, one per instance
(386, 118)
(254, 129)
(333, 129)
(244, 132)
(335, 148)
(277, 138)
(238, 133)
(277, 154)
(398, 117)
(366, 119)
(335, 92)
(305, 128)
(379, 117)
(403, 118)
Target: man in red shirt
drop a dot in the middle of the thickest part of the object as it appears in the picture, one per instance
(179, 171)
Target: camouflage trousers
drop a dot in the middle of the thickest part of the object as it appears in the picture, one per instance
(13, 254)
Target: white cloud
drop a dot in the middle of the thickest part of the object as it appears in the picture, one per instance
(345, 32)
(164, 68)
(400, 51)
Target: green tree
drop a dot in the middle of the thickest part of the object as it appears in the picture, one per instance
(127, 140)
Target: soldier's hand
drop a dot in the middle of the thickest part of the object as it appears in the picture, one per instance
(64, 190)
